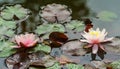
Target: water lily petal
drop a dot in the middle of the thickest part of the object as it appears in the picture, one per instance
(16, 46)
(102, 47)
(84, 40)
(108, 39)
(95, 49)
(88, 46)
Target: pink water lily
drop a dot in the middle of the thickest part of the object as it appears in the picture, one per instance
(25, 40)
(95, 38)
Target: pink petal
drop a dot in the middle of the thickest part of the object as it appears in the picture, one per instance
(95, 49)
(102, 47)
(88, 46)
(108, 39)
(16, 46)
(33, 43)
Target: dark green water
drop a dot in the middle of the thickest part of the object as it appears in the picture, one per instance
(80, 8)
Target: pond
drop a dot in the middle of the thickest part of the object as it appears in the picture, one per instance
(81, 9)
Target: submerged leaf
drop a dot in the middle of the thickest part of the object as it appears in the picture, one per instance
(107, 16)
(74, 66)
(8, 12)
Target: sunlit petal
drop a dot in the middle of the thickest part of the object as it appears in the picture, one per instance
(95, 49)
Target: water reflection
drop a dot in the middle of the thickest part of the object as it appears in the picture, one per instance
(106, 5)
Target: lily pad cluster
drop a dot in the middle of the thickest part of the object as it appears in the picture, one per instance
(32, 50)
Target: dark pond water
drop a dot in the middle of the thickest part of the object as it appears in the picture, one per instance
(80, 8)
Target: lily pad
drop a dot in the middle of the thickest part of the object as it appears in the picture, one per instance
(75, 25)
(23, 60)
(7, 24)
(8, 12)
(113, 46)
(56, 13)
(55, 66)
(107, 16)
(74, 66)
(42, 47)
(5, 49)
(115, 65)
(73, 48)
(46, 29)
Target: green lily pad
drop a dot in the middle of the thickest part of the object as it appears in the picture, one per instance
(6, 49)
(76, 25)
(42, 47)
(47, 28)
(7, 24)
(115, 65)
(107, 16)
(55, 66)
(17, 10)
(74, 66)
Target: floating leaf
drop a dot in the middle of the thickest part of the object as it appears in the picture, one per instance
(5, 32)
(8, 12)
(56, 13)
(55, 66)
(107, 16)
(74, 66)
(48, 28)
(76, 25)
(7, 24)
(5, 49)
(42, 47)
(73, 48)
(115, 65)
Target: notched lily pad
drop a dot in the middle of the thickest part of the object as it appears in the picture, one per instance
(24, 60)
(55, 13)
(46, 29)
(75, 25)
(73, 48)
(8, 12)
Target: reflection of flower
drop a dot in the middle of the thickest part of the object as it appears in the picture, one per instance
(94, 38)
(27, 40)
(56, 13)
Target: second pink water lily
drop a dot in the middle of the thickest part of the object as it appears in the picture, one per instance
(94, 38)
(25, 40)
